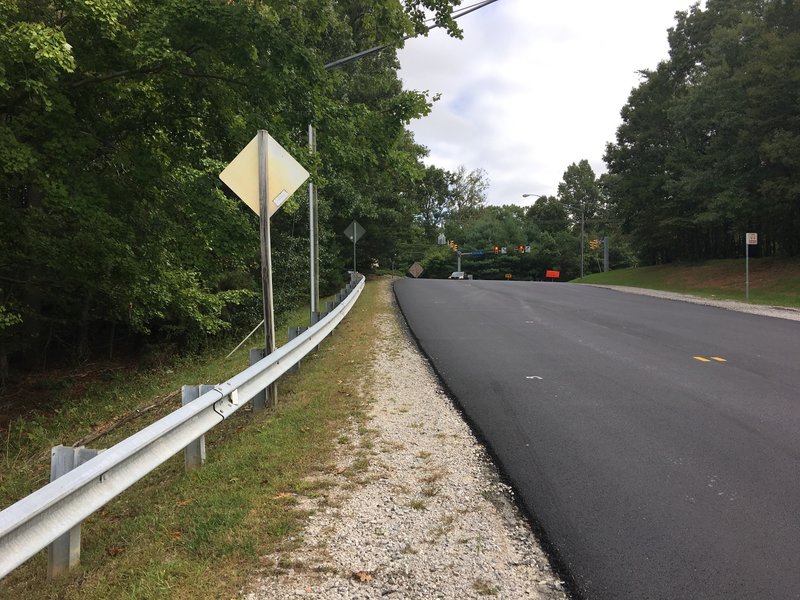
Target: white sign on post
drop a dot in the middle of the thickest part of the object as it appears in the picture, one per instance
(752, 239)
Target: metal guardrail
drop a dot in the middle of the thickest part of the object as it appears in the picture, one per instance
(29, 525)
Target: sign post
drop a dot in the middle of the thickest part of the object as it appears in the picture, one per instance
(752, 240)
(354, 231)
(313, 226)
(266, 257)
(264, 175)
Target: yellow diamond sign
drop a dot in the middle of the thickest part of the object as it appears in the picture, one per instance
(284, 175)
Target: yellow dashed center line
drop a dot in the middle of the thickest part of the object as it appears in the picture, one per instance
(714, 358)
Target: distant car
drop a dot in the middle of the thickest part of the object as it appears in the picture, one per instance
(458, 275)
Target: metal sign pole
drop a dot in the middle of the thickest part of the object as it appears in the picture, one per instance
(354, 256)
(313, 219)
(266, 255)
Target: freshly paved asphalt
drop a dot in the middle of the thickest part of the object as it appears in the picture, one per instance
(652, 474)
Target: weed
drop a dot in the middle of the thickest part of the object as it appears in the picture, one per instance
(434, 476)
(484, 588)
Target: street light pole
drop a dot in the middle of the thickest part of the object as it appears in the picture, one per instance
(583, 219)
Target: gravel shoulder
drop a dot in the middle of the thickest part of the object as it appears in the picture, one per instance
(778, 312)
(415, 509)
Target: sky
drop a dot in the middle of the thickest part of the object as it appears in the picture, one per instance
(534, 86)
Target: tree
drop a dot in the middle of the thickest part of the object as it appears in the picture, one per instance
(706, 150)
(547, 214)
(115, 119)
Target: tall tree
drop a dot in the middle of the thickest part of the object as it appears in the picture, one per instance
(706, 149)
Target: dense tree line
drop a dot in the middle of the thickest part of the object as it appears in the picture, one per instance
(709, 148)
(116, 118)
(551, 228)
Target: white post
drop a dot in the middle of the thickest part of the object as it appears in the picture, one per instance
(747, 272)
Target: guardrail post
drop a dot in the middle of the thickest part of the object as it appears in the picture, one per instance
(293, 332)
(260, 399)
(194, 455)
(64, 552)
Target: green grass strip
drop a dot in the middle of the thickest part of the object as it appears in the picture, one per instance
(773, 281)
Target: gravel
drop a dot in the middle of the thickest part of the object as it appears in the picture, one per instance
(415, 508)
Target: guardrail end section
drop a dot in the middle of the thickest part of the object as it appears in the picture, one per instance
(64, 553)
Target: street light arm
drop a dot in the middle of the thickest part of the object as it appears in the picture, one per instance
(354, 57)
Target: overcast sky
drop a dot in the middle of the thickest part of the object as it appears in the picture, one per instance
(534, 86)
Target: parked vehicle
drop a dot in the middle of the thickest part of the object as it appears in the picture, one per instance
(458, 275)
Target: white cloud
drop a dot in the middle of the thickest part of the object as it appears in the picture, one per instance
(534, 86)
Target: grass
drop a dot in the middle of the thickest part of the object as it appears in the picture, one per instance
(773, 281)
(205, 534)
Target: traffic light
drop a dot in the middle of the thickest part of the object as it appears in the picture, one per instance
(521, 249)
(594, 244)
(455, 247)
(497, 249)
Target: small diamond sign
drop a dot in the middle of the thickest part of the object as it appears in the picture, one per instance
(354, 231)
(415, 270)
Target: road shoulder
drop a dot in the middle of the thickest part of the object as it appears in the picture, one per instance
(415, 508)
(778, 312)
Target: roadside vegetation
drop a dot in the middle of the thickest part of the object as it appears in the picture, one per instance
(205, 534)
(772, 281)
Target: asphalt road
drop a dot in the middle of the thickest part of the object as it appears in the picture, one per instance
(654, 469)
